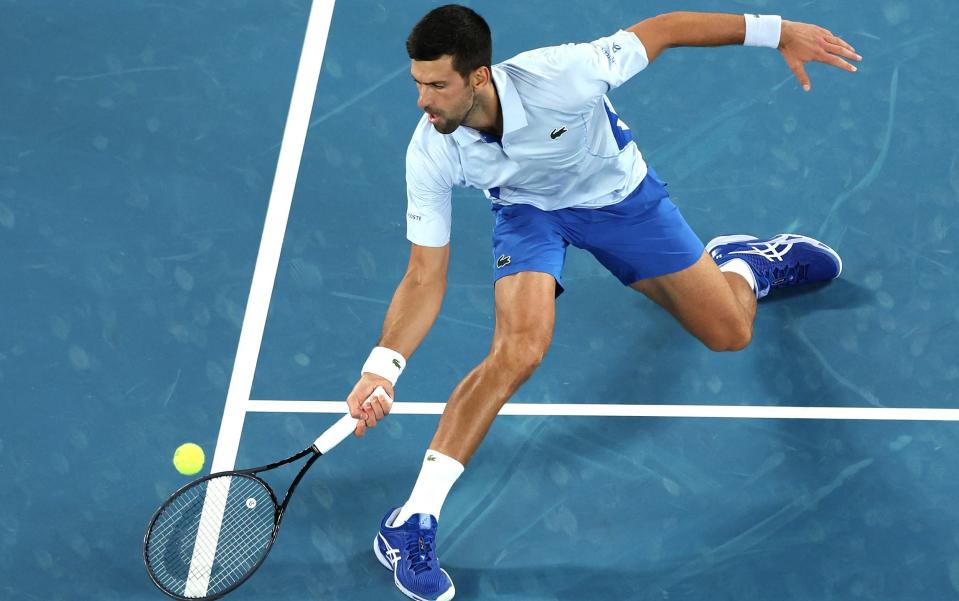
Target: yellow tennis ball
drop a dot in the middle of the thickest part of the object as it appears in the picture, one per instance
(188, 459)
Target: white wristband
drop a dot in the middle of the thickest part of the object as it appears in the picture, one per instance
(763, 30)
(385, 363)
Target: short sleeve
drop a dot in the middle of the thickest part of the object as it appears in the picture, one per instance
(616, 58)
(429, 211)
(589, 70)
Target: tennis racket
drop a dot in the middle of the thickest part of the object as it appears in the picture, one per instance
(211, 535)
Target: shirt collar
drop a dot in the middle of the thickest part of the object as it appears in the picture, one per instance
(514, 115)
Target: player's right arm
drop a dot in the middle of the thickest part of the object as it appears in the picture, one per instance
(412, 312)
(430, 175)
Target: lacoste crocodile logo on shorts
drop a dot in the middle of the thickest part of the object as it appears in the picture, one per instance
(502, 261)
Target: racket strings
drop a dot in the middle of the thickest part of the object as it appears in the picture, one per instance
(211, 535)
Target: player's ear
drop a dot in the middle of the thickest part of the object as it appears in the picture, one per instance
(480, 76)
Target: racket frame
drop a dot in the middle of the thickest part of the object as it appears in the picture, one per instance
(331, 437)
(279, 508)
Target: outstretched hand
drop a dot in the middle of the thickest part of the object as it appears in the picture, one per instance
(801, 43)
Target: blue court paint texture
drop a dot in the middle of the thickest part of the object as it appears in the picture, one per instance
(138, 142)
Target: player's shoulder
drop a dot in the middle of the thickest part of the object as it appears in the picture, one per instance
(431, 151)
(550, 76)
(540, 61)
(549, 60)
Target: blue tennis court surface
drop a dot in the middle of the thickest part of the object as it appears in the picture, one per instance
(138, 146)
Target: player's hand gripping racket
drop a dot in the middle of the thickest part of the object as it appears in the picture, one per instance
(212, 534)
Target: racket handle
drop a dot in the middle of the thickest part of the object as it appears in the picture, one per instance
(339, 431)
(335, 434)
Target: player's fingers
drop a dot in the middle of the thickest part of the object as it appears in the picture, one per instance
(360, 429)
(376, 406)
(383, 398)
(835, 39)
(842, 51)
(800, 72)
(369, 417)
(352, 406)
(353, 402)
(835, 61)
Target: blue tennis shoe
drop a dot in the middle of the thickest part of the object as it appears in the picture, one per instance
(781, 261)
(409, 550)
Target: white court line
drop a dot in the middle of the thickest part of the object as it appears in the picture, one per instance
(611, 410)
(274, 229)
(264, 275)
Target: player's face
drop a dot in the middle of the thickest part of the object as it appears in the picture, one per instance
(445, 95)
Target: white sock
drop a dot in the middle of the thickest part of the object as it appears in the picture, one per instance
(742, 268)
(436, 478)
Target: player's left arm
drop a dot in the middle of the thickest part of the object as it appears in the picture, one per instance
(799, 43)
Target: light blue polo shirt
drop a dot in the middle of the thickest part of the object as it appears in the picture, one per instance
(563, 144)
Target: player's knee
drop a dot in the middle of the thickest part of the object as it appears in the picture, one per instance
(741, 338)
(520, 355)
(733, 337)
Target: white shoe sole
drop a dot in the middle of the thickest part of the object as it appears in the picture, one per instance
(796, 237)
(379, 555)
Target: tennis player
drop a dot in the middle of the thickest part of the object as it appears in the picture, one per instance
(539, 136)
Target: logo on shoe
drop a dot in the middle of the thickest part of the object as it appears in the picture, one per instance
(503, 261)
(392, 555)
(774, 250)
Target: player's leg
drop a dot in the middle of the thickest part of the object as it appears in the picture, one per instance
(699, 296)
(716, 307)
(529, 250)
(647, 244)
(528, 255)
(525, 314)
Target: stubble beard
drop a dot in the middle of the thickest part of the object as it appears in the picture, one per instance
(450, 125)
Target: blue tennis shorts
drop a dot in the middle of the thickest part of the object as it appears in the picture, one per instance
(642, 236)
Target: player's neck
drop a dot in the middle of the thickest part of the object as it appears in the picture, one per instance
(487, 114)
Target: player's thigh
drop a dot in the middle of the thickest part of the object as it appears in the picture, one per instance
(525, 316)
(699, 296)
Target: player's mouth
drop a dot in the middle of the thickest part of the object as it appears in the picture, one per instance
(433, 117)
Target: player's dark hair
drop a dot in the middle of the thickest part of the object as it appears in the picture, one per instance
(456, 31)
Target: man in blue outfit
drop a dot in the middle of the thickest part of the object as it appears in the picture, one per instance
(539, 136)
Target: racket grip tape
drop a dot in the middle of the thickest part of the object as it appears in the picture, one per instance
(339, 431)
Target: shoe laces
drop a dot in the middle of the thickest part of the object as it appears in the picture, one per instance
(786, 275)
(419, 554)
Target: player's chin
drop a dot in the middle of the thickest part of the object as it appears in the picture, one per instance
(446, 127)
